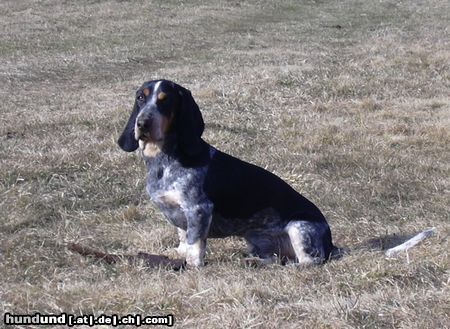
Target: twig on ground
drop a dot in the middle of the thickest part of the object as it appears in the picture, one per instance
(148, 260)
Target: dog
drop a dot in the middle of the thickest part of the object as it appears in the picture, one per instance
(206, 193)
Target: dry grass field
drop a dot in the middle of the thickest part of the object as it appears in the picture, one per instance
(346, 100)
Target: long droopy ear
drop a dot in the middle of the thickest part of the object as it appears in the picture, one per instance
(127, 141)
(190, 124)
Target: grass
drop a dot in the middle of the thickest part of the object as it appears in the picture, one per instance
(346, 100)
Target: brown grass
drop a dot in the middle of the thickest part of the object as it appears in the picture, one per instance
(346, 100)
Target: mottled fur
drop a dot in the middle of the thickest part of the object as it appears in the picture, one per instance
(206, 193)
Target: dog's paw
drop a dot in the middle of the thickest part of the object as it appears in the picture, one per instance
(194, 262)
(181, 250)
(195, 254)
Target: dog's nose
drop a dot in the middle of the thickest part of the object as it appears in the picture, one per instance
(143, 123)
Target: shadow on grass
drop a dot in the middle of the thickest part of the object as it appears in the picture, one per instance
(384, 242)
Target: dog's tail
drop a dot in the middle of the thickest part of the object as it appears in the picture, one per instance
(390, 248)
(391, 252)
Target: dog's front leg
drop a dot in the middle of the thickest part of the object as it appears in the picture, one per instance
(195, 253)
(198, 222)
(182, 246)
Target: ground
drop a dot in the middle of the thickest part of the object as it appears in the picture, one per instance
(348, 101)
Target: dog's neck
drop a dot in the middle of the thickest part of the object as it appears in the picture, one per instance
(151, 149)
(148, 149)
(169, 148)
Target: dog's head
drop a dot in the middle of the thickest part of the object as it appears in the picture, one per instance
(164, 112)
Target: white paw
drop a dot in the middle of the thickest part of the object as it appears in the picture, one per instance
(182, 249)
(195, 254)
(194, 261)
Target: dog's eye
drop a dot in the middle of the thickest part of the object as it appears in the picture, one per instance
(140, 98)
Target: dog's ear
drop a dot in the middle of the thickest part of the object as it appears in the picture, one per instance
(190, 124)
(127, 141)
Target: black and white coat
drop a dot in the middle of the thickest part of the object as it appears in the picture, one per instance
(206, 193)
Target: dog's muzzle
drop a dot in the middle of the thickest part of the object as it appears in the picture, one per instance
(147, 129)
(144, 124)
(143, 127)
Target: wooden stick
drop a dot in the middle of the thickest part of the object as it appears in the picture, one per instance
(391, 252)
(149, 260)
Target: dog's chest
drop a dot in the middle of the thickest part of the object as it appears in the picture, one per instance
(175, 190)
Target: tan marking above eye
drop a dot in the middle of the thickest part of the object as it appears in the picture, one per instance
(146, 92)
(162, 96)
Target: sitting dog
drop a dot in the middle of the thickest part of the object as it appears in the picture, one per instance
(206, 193)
